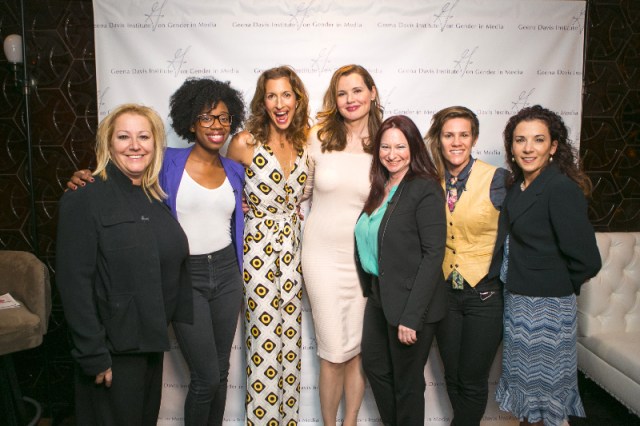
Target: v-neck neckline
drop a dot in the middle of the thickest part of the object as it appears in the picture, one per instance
(294, 166)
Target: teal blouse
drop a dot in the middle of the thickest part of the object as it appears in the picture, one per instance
(366, 232)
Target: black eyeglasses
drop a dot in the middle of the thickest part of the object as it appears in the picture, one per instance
(207, 120)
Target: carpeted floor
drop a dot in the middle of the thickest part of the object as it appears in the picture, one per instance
(602, 409)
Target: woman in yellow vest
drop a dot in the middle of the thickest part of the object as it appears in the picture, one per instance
(469, 336)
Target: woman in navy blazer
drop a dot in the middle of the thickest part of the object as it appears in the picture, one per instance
(400, 241)
(545, 250)
(122, 273)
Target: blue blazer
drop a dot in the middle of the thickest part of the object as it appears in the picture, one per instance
(552, 246)
(173, 166)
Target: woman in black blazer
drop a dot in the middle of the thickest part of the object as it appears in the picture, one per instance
(400, 240)
(545, 250)
(121, 269)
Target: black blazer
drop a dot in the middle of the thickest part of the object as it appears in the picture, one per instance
(108, 275)
(411, 244)
(552, 245)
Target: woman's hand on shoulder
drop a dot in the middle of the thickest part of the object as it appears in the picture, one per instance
(241, 148)
(79, 178)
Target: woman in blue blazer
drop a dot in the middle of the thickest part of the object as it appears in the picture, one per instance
(545, 250)
(204, 192)
(400, 241)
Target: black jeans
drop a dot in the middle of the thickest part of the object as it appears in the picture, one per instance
(206, 344)
(395, 371)
(468, 339)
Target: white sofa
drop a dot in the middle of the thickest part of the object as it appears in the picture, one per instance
(609, 319)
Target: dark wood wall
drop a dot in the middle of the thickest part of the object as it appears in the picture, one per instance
(63, 118)
(610, 140)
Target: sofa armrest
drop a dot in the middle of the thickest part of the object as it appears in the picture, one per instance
(27, 279)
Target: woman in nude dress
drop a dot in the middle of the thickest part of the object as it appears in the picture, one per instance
(338, 184)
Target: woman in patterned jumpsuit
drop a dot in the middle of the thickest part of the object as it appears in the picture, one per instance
(272, 151)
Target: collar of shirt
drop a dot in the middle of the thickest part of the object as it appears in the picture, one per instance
(462, 176)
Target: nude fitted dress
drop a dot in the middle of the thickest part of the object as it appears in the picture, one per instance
(339, 185)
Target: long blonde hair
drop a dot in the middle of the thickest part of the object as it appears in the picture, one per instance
(150, 182)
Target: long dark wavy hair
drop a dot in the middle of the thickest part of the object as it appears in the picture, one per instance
(197, 94)
(420, 164)
(565, 156)
(332, 132)
(258, 123)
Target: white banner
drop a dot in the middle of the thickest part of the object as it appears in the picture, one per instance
(493, 56)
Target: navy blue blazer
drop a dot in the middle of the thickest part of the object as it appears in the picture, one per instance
(108, 273)
(175, 160)
(411, 244)
(552, 245)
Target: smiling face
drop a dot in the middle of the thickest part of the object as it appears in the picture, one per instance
(456, 142)
(132, 145)
(214, 137)
(353, 98)
(532, 148)
(280, 102)
(394, 153)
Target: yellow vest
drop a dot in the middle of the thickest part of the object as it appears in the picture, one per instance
(472, 227)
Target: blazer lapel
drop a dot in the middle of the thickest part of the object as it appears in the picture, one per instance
(528, 198)
(387, 214)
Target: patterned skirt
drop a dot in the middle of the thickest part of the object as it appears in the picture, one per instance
(539, 361)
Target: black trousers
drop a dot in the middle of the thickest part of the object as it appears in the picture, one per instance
(206, 344)
(468, 339)
(133, 398)
(395, 371)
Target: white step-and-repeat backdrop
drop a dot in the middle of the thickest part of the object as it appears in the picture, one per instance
(494, 56)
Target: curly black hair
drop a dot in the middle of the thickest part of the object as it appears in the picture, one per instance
(565, 156)
(197, 94)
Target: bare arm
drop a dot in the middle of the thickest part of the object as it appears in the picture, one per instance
(241, 149)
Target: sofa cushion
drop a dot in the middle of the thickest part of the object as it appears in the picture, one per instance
(620, 350)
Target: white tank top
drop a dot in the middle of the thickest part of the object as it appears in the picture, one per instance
(205, 214)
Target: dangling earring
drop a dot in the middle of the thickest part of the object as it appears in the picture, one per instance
(551, 159)
(513, 159)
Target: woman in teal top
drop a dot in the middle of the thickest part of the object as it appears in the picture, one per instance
(400, 242)
(367, 235)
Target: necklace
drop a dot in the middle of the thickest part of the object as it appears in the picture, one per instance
(522, 187)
